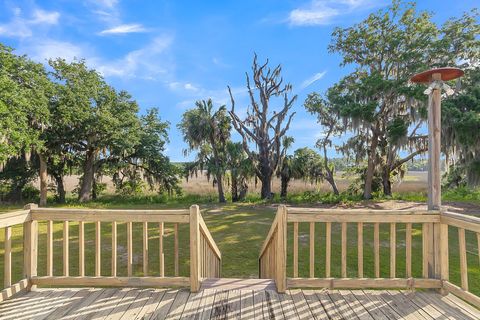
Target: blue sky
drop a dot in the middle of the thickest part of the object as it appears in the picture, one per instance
(168, 54)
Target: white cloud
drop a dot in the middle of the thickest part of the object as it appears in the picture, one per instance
(51, 49)
(107, 3)
(308, 82)
(124, 28)
(323, 12)
(44, 17)
(146, 62)
(21, 27)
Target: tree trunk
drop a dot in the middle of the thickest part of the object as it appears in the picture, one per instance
(43, 180)
(221, 195)
(94, 189)
(243, 190)
(60, 188)
(266, 191)
(367, 192)
(234, 188)
(332, 183)
(88, 176)
(387, 184)
(284, 187)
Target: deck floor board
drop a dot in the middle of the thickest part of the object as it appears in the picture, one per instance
(135, 303)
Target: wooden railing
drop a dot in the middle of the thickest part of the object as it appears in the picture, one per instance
(465, 226)
(432, 225)
(205, 257)
(8, 221)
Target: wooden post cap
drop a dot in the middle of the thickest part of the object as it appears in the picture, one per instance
(446, 74)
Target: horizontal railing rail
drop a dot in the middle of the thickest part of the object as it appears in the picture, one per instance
(83, 231)
(404, 226)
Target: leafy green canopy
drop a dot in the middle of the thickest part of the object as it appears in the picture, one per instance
(24, 97)
(376, 101)
(207, 131)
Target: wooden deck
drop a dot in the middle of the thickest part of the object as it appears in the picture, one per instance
(133, 303)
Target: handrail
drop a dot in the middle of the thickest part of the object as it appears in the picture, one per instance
(10, 219)
(7, 221)
(273, 255)
(435, 242)
(205, 256)
(270, 234)
(103, 215)
(209, 238)
(463, 223)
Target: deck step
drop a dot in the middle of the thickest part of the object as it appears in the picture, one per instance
(238, 284)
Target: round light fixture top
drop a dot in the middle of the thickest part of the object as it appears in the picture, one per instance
(446, 74)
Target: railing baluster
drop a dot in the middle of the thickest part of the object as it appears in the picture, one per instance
(194, 249)
(129, 249)
(408, 249)
(65, 249)
(425, 240)
(376, 248)
(463, 258)
(360, 248)
(49, 248)
(295, 249)
(478, 245)
(145, 248)
(328, 249)
(444, 263)
(312, 249)
(175, 249)
(114, 248)
(98, 249)
(161, 255)
(393, 249)
(344, 249)
(81, 248)
(7, 274)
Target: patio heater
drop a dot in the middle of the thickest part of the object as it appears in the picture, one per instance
(435, 79)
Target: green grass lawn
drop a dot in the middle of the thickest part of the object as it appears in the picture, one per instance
(239, 231)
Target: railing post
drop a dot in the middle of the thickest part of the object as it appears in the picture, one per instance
(444, 263)
(194, 248)
(281, 254)
(30, 248)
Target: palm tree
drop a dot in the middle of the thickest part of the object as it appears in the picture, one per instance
(208, 131)
(241, 170)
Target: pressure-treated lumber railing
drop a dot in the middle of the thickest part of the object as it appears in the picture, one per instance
(435, 243)
(205, 257)
(7, 222)
(462, 224)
